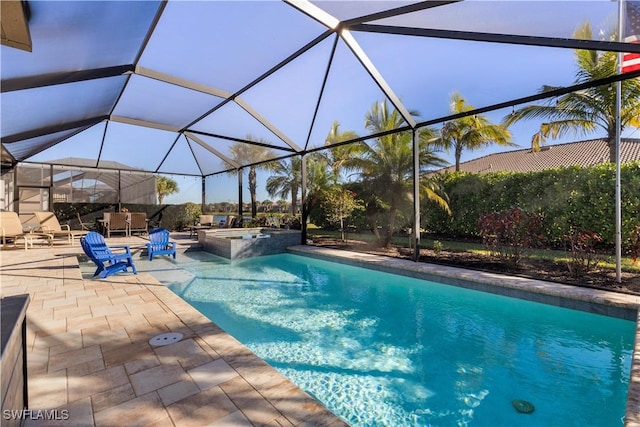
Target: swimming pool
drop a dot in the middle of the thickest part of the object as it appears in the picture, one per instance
(382, 349)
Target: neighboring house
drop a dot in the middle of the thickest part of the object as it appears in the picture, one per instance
(582, 153)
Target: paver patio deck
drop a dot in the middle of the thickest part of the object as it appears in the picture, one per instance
(88, 353)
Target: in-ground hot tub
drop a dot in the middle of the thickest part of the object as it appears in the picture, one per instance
(235, 243)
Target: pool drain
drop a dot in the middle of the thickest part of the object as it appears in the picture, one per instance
(165, 339)
(523, 406)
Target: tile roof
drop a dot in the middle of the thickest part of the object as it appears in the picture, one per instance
(583, 153)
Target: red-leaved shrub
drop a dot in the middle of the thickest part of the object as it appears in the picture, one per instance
(509, 233)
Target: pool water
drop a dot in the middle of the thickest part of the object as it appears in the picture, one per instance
(385, 350)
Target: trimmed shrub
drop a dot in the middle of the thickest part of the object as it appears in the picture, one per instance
(510, 232)
(573, 198)
(581, 248)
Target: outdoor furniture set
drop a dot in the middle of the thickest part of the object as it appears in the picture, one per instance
(124, 222)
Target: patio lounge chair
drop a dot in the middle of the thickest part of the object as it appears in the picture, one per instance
(138, 222)
(11, 229)
(108, 262)
(159, 243)
(49, 224)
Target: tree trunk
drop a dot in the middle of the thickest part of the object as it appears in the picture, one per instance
(612, 148)
(393, 212)
(458, 156)
(253, 187)
(294, 201)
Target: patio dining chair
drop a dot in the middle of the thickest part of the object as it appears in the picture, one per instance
(49, 224)
(159, 243)
(107, 261)
(115, 222)
(138, 222)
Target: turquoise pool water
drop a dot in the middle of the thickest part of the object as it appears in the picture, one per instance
(384, 350)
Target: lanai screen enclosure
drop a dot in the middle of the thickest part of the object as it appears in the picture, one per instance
(170, 87)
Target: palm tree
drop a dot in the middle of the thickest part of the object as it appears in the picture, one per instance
(337, 157)
(285, 180)
(165, 187)
(244, 153)
(589, 109)
(386, 167)
(470, 132)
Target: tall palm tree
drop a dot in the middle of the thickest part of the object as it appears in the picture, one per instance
(470, 132)
(165, 187)
(337, 157)
(245, 153)
(285, 180)
(386, 167)
(589, 109)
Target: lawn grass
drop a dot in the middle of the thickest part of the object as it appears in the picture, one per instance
(607, 260)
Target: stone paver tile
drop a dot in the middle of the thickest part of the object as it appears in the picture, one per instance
(179, 350)
(109, 310)
(43, 329)
(95, 383)
(234, 419)
(127, 299)
(112, 397)
(141, 363)
(71, 312)
(147, 308)
(202, 408)
(298, 406)
(212, 374)
(73, 339)
(48, 391)
(79, 291)
(257, 372)
(93, 323)
(102, 335)
(157, 377)
(86, 368)
(119, 355)
(76, 414)
(145, 410)
(117, 338)
(38, 361)
(60, 303)
(254, 406)
(177, 391)
(161, 319)
(112, 291)
(282, 422)
(74, 357)
(128, 320)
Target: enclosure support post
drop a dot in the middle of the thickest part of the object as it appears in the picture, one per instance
(416, 196)
(617, 143)
(240, 172)
(204, 195)
(119, 191)
(303, 184)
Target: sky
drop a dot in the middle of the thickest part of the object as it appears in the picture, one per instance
(222, 46)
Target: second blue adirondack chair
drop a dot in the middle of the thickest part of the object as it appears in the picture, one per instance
(107, 261)
(159, 243)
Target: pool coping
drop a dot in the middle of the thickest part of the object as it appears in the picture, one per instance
(608, 303)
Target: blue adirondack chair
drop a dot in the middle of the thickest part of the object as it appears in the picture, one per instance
(108, 261)
(159, 243)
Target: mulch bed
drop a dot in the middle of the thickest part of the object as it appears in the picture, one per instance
(534, 268)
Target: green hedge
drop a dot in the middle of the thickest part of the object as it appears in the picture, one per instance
(582, 198)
